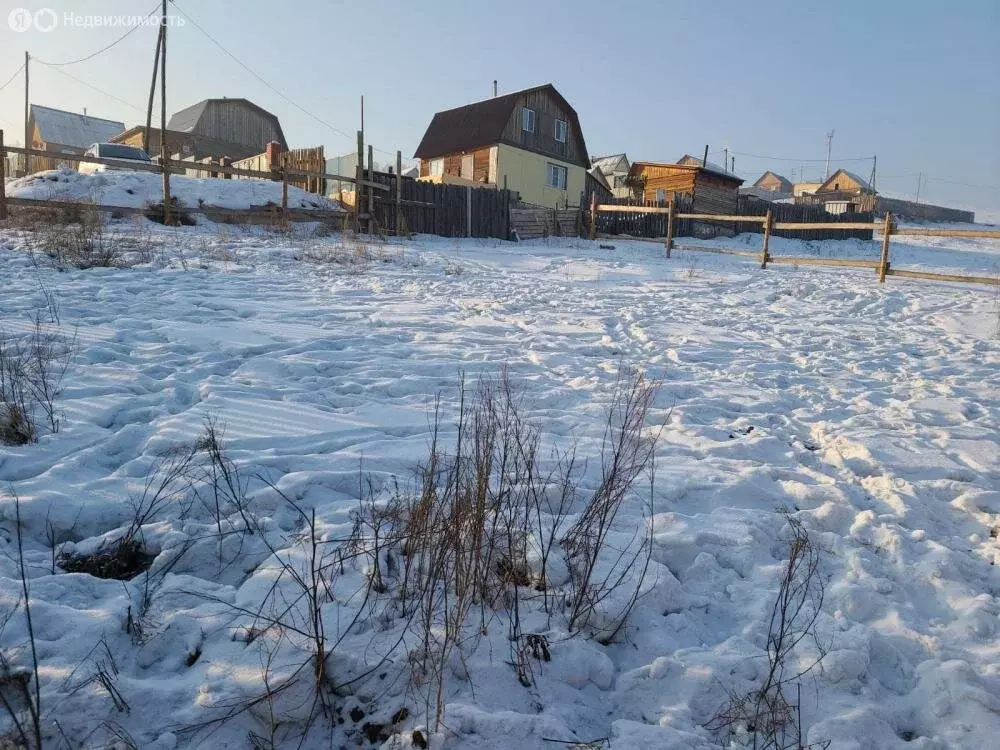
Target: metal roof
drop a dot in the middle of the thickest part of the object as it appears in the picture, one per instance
(72, 129)
(607, 164)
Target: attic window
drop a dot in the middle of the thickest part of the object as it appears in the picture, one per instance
(560, 131)
(527, 120)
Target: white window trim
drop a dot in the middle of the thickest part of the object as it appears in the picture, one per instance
(550, 170)
(565, 130)
(524, 110)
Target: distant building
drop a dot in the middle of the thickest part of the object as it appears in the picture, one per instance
(805, 188)
(237, 121)
(614, 170)
(62, 133)
(529, 141)
(843, 183)
(774, 183)
(185, 146)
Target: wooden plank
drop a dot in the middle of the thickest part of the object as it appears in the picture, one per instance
(593, 216)
(612, 208)
(919, 231)
(718, 250)
(722, 217)
(850, 262)
(828, 225)
(993, 281)
(669, 242)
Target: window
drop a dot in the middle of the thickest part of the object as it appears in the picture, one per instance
(661, 195)
(527, 120)
(560, 131)
(437, 167)
(556, 177)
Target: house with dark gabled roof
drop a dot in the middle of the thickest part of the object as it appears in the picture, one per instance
(528, 141)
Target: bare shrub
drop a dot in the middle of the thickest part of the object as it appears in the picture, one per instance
(626, 454)
(166, 482)
(20, 691)
(82, 241)
(766, 715)
(32, 368)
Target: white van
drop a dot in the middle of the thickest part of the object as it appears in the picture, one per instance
(126, 157)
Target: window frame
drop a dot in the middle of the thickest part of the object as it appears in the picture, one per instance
(565, 130)
(556, 169)
(524, 116)
(439, 171)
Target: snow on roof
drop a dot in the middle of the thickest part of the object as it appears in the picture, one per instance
(694, 161)
(850, 175)
(72, 129)
(607, 164)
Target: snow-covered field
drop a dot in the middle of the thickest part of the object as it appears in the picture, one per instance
(869, 413)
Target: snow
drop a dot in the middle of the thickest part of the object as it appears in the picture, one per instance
(139, 189)
(867, 411)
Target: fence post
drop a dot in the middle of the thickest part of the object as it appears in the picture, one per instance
(371, 190)
(768, 226)
(284, 188)
(593, 216)
(468, 211)
(359, 173)
(883, 266)
(670, 224)
(3, 179)
(399, 193)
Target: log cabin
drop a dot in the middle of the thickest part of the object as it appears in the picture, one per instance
(712, 191)
(528, 141)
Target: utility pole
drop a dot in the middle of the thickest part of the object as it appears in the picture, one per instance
(164, 156)
(725, 159)
(152, 91)
(829, 148)
(874, 164)
(920, 178)
(27, 114)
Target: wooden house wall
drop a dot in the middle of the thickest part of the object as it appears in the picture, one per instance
(234, 121)
(715, 195)
(453, 164)
(775, 183)
(543, 140)
(668, 179)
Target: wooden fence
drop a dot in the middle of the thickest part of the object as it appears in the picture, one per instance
(883, 267)
(445, 210)
(786, 213)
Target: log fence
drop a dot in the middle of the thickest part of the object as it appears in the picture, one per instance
(883, 267)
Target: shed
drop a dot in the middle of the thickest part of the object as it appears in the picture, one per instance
(845, 183)
(712, 191)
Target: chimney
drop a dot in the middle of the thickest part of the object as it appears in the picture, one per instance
(273, 153)
(84, 111)
(494, 87)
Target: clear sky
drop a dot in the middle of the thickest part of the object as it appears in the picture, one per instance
(916, 82)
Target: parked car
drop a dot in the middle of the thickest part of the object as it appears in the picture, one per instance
(125, 157)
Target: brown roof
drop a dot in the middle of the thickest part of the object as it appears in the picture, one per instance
(191, 144)
(481, 124)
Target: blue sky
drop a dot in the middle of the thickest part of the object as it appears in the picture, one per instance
(915, 82)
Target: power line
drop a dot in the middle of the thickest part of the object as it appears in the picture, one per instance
(249, 70)
(103, 49)
(11, 79)
(91, 86)
(788, 158)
